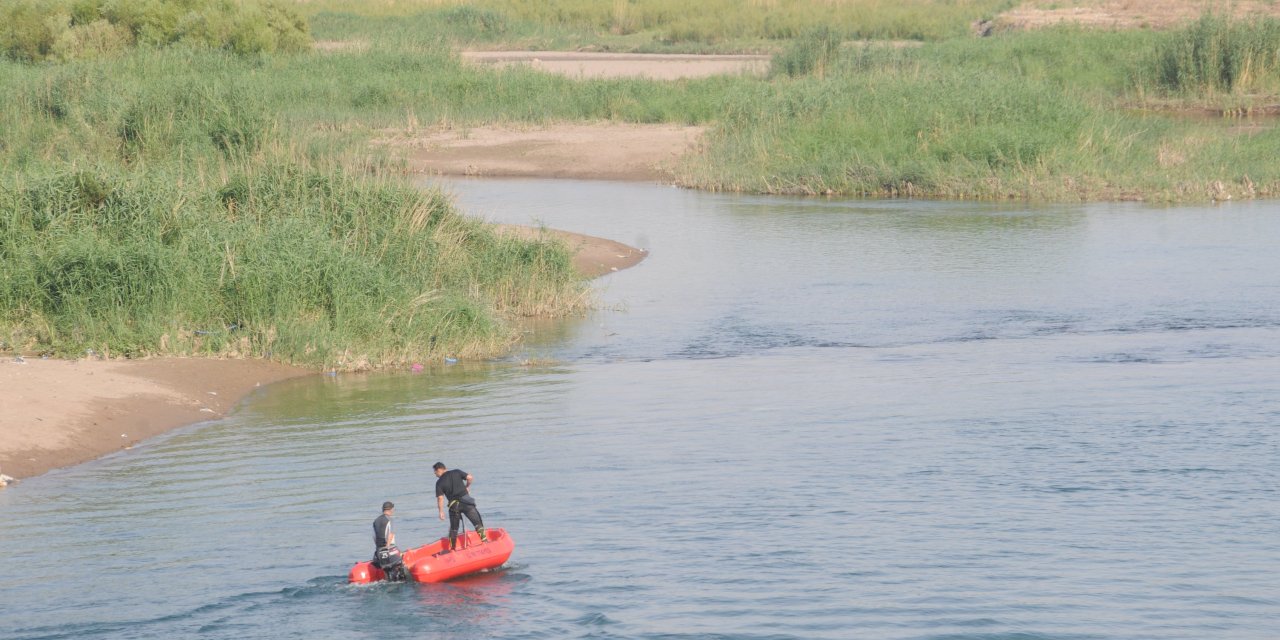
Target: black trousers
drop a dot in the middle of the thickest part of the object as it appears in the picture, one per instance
(456, 511)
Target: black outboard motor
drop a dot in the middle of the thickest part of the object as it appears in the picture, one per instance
(389, 560)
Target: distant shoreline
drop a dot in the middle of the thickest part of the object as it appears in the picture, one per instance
(60, 413)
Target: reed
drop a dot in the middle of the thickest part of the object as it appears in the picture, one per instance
(274, 259)
(1043, 116)
(812, 53)
(1217, 54)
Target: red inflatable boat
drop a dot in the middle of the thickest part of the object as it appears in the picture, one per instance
(428, 564)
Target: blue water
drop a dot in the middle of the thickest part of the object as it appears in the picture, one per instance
(795, 419)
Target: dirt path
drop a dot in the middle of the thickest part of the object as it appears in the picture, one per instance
(1124, 14)
(655, 66)
(602, 151)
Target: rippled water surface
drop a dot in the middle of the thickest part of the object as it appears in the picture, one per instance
(796, 419)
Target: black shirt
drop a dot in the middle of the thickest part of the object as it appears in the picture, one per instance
(452, 485)
(381, 531)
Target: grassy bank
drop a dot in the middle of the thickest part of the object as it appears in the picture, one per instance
(279, 260)
(186, 201)
(1055, 115)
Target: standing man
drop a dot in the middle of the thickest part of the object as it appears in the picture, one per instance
(451, 489)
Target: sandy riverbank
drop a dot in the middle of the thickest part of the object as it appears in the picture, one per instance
(597, 151)
(592, 257)
(59, 413)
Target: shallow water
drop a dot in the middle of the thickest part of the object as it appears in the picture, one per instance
(796, 419)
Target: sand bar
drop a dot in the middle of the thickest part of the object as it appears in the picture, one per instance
(595, 151)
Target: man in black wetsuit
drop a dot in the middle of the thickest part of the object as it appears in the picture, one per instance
(386, 555)
(382, 533)
(451, 490)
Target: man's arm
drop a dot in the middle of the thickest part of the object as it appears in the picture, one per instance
(440, 503)
(469, 479)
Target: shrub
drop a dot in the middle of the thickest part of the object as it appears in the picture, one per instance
(475, 21)
(811, 54)
(36, 30)
(30, 29)
(84, 41)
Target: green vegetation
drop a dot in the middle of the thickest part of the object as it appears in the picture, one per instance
(277, 259)
(1220, 55)
(811, 54)
(1046, 115)
(189, 201)
(1061, 114)
(74, 29)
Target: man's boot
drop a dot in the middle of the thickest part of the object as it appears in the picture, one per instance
(484, 537)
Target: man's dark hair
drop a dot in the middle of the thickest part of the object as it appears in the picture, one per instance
(387, 506)
(438, 465)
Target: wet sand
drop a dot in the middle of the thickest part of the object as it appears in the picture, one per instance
(63, 412)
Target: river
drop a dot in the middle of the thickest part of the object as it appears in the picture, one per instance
(798, 418)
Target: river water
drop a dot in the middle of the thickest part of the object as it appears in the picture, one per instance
(796, 419)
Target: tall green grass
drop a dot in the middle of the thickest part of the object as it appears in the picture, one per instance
(810, 54)
(170, 202)
(1217, 54)
(1044, 115)
(280, 260)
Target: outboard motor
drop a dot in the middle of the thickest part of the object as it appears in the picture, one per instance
(390, 561)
